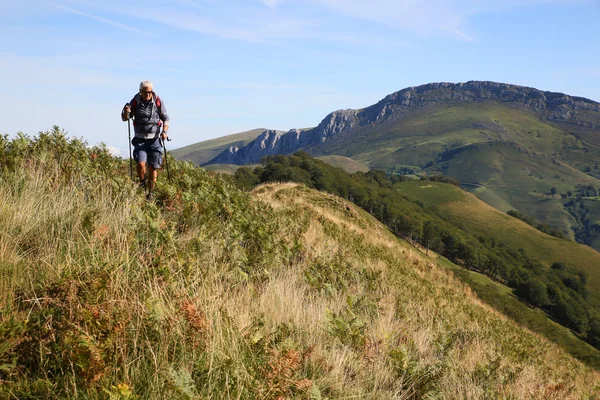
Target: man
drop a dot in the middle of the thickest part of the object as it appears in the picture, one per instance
(149, 115)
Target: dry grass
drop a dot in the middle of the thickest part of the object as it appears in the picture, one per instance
(118, 299)
(423, 304)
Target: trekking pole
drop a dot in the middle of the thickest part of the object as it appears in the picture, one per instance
(166, 158)
(130, 157)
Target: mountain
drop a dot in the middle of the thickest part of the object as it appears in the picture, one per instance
(211, 292)
(203, 152)
(343, 126)
(512, 146)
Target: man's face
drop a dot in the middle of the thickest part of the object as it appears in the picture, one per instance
(146, 93)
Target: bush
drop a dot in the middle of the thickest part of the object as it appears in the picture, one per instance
(535, 292)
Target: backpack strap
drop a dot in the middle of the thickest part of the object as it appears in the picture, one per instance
(134, 105)
(158, 104)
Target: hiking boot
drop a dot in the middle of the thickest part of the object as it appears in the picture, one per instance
(149, 197)
(143, 184)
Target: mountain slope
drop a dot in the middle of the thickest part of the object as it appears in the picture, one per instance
(213, 293)
(490, 223)
(200, 153)
(508, 144)
(344, 125)
(515, 178)
(554, 275)
(347, 164)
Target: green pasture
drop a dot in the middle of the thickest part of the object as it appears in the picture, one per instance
(347, 164)
(487, 221)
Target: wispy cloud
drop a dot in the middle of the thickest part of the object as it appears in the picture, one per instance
(271, 3)
(423, 17)
(196, 23)
(243, 21)
(100, 19)
(427, 17)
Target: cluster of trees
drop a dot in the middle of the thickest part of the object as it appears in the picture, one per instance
(536, 224)
(585, 230)
(586, 191)
(560, 290)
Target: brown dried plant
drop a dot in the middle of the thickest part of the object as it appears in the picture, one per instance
(197, 321)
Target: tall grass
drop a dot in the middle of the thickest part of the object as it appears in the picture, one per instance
(212, 293)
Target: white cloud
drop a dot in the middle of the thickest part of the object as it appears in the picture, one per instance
(101, 19)
(114, 150)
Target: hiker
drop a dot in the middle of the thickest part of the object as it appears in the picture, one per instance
(149, 115)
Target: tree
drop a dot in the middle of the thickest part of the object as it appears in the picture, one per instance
(246, 179)
(535, 292)
(593, 335)
(431, 237)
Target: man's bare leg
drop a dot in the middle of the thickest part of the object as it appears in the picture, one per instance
(141, 171)
(152, 176)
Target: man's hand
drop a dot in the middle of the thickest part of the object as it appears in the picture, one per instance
(126, 111)
(164, 135)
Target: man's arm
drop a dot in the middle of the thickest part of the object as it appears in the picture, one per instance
(162, 112)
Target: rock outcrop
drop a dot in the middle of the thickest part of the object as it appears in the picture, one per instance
(556, 107)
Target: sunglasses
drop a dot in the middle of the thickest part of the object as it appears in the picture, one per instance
(145, 92)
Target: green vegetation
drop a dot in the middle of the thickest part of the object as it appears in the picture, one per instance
(211, 292)
(581, 205)
(502, 299)
(561, 292)
(224, 168)
(483, 220)
(425, 133)
(540, 227)
(347, 164)
(510, 157)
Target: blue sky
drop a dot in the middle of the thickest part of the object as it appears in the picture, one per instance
(228, 66)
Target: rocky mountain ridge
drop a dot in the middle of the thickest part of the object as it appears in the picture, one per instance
(555, 107)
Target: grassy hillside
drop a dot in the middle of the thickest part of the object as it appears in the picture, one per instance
(511, 154)
(347, 164)
(485, 220)
(202, 152)
(447, 126)
(517, 179)
(214, 293)
(225, 168)
(557, 287)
